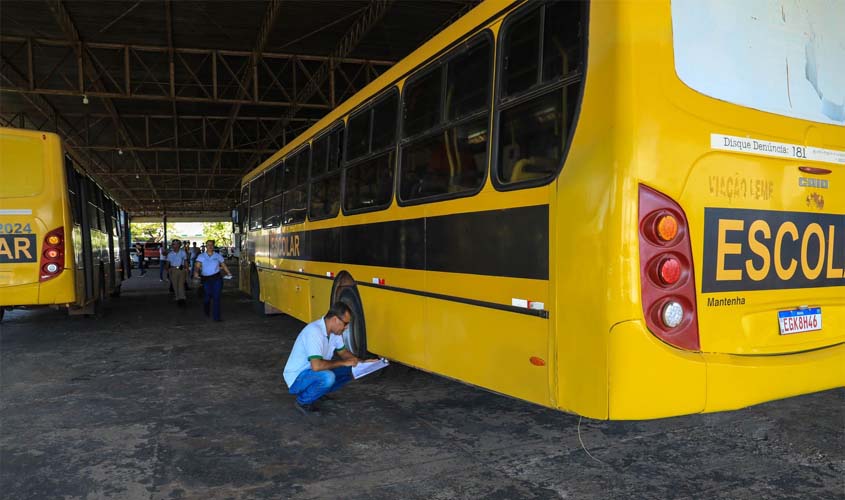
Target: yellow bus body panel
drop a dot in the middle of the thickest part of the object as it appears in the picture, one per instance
(638, 125)
(19, 282)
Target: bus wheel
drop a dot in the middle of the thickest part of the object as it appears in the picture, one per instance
(355, 336)
(255, 291)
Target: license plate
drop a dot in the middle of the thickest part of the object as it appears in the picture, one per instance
(800, 320)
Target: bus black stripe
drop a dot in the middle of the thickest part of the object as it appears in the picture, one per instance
(451, 298)
(510, 242)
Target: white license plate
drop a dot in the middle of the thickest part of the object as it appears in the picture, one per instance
(800, 320)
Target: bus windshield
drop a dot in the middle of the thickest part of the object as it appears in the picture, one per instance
(784, 58)
(21, 162)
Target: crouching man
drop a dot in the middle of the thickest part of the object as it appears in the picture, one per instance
(310, 372)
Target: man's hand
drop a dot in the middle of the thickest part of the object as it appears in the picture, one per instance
(353, 361)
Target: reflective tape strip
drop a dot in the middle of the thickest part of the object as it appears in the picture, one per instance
(16, 211)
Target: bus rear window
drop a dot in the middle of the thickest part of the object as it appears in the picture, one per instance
(779, 57)
(22, 166)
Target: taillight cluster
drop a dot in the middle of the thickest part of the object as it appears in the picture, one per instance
(53, 254)
(666, 271)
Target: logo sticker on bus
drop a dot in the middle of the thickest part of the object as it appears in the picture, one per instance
(16, 248)
(767, 250)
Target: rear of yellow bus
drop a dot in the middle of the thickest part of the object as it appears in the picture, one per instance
(737, 133)
(35, 251)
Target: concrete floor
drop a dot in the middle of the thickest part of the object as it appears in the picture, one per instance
(150, 402)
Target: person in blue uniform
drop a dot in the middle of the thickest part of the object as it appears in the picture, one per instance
(209, 264)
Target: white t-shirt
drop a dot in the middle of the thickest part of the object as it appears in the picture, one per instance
(312, 342)
(210, 263)
(176, 258)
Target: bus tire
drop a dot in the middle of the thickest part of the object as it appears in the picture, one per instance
(356, 338)
(255, 291)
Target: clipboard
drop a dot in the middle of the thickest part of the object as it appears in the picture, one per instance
(365, 368)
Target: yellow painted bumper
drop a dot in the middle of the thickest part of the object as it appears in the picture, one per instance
(649, 379)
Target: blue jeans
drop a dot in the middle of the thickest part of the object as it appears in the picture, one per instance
(212, 292)
(310, 386)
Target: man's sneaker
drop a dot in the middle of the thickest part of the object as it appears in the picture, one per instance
(307, 409)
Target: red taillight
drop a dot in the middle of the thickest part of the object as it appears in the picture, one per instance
(667, 281)
(53, 254)
(670, 271)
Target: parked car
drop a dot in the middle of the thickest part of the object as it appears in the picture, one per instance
(151, 251)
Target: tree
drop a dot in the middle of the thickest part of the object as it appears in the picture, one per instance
(146, 231)
(220, 232)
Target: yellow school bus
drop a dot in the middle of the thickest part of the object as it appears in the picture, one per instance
(596, 207)
(63, 239)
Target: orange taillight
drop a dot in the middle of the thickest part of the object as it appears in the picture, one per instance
(667, 227)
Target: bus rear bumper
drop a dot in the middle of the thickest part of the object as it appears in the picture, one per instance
(59, 290)
(650, 379)
(738, 381)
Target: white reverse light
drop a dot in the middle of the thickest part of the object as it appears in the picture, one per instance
(673, 314)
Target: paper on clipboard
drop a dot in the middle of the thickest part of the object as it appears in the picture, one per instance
(368, 367)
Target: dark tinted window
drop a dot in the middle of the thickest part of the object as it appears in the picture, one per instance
(255, 212)
(278, 185)
(73, 191)
(384, 123)
(320, 155)
(421, 100)
(257, 189)
(468, 81)
(521, 49)
(325, 197)
(296, 169)
(561, 40)
(269, 182)
(369, 184)
(336, 149)
(295, 205)
(359, 136)
(534, 127)
(449, 162)
(272, 211)
(295, 199)
(449, 158)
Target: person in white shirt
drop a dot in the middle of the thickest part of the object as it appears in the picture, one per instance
(177, 263)
(207, 269)
(310, 372)
(162, 254)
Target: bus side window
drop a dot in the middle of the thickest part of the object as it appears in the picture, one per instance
(537, 98)
(445, 129)
(256, 200)
(295, 198)
(369, 166)
(324, 194)
(73, 191)
(272, 207)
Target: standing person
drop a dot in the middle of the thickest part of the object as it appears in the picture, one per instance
(189, 269)
(310, 372)
(177, 263)
(195, 252)
(209, 264)
(162, 254)
(139, 249)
